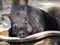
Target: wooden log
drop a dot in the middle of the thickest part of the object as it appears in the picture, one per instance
(33, 37)
(5, 25)
(4, 33)
(47, 41)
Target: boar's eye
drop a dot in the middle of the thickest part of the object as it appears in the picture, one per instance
(14, 29)
(14, 26)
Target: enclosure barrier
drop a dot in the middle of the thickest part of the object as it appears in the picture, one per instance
(31, 37)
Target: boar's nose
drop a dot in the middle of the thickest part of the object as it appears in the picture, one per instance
(22, 34)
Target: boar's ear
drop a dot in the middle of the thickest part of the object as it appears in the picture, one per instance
(6, 17)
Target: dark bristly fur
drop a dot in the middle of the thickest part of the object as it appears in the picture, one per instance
(50, 21)
(30, 20)
(55, 11)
